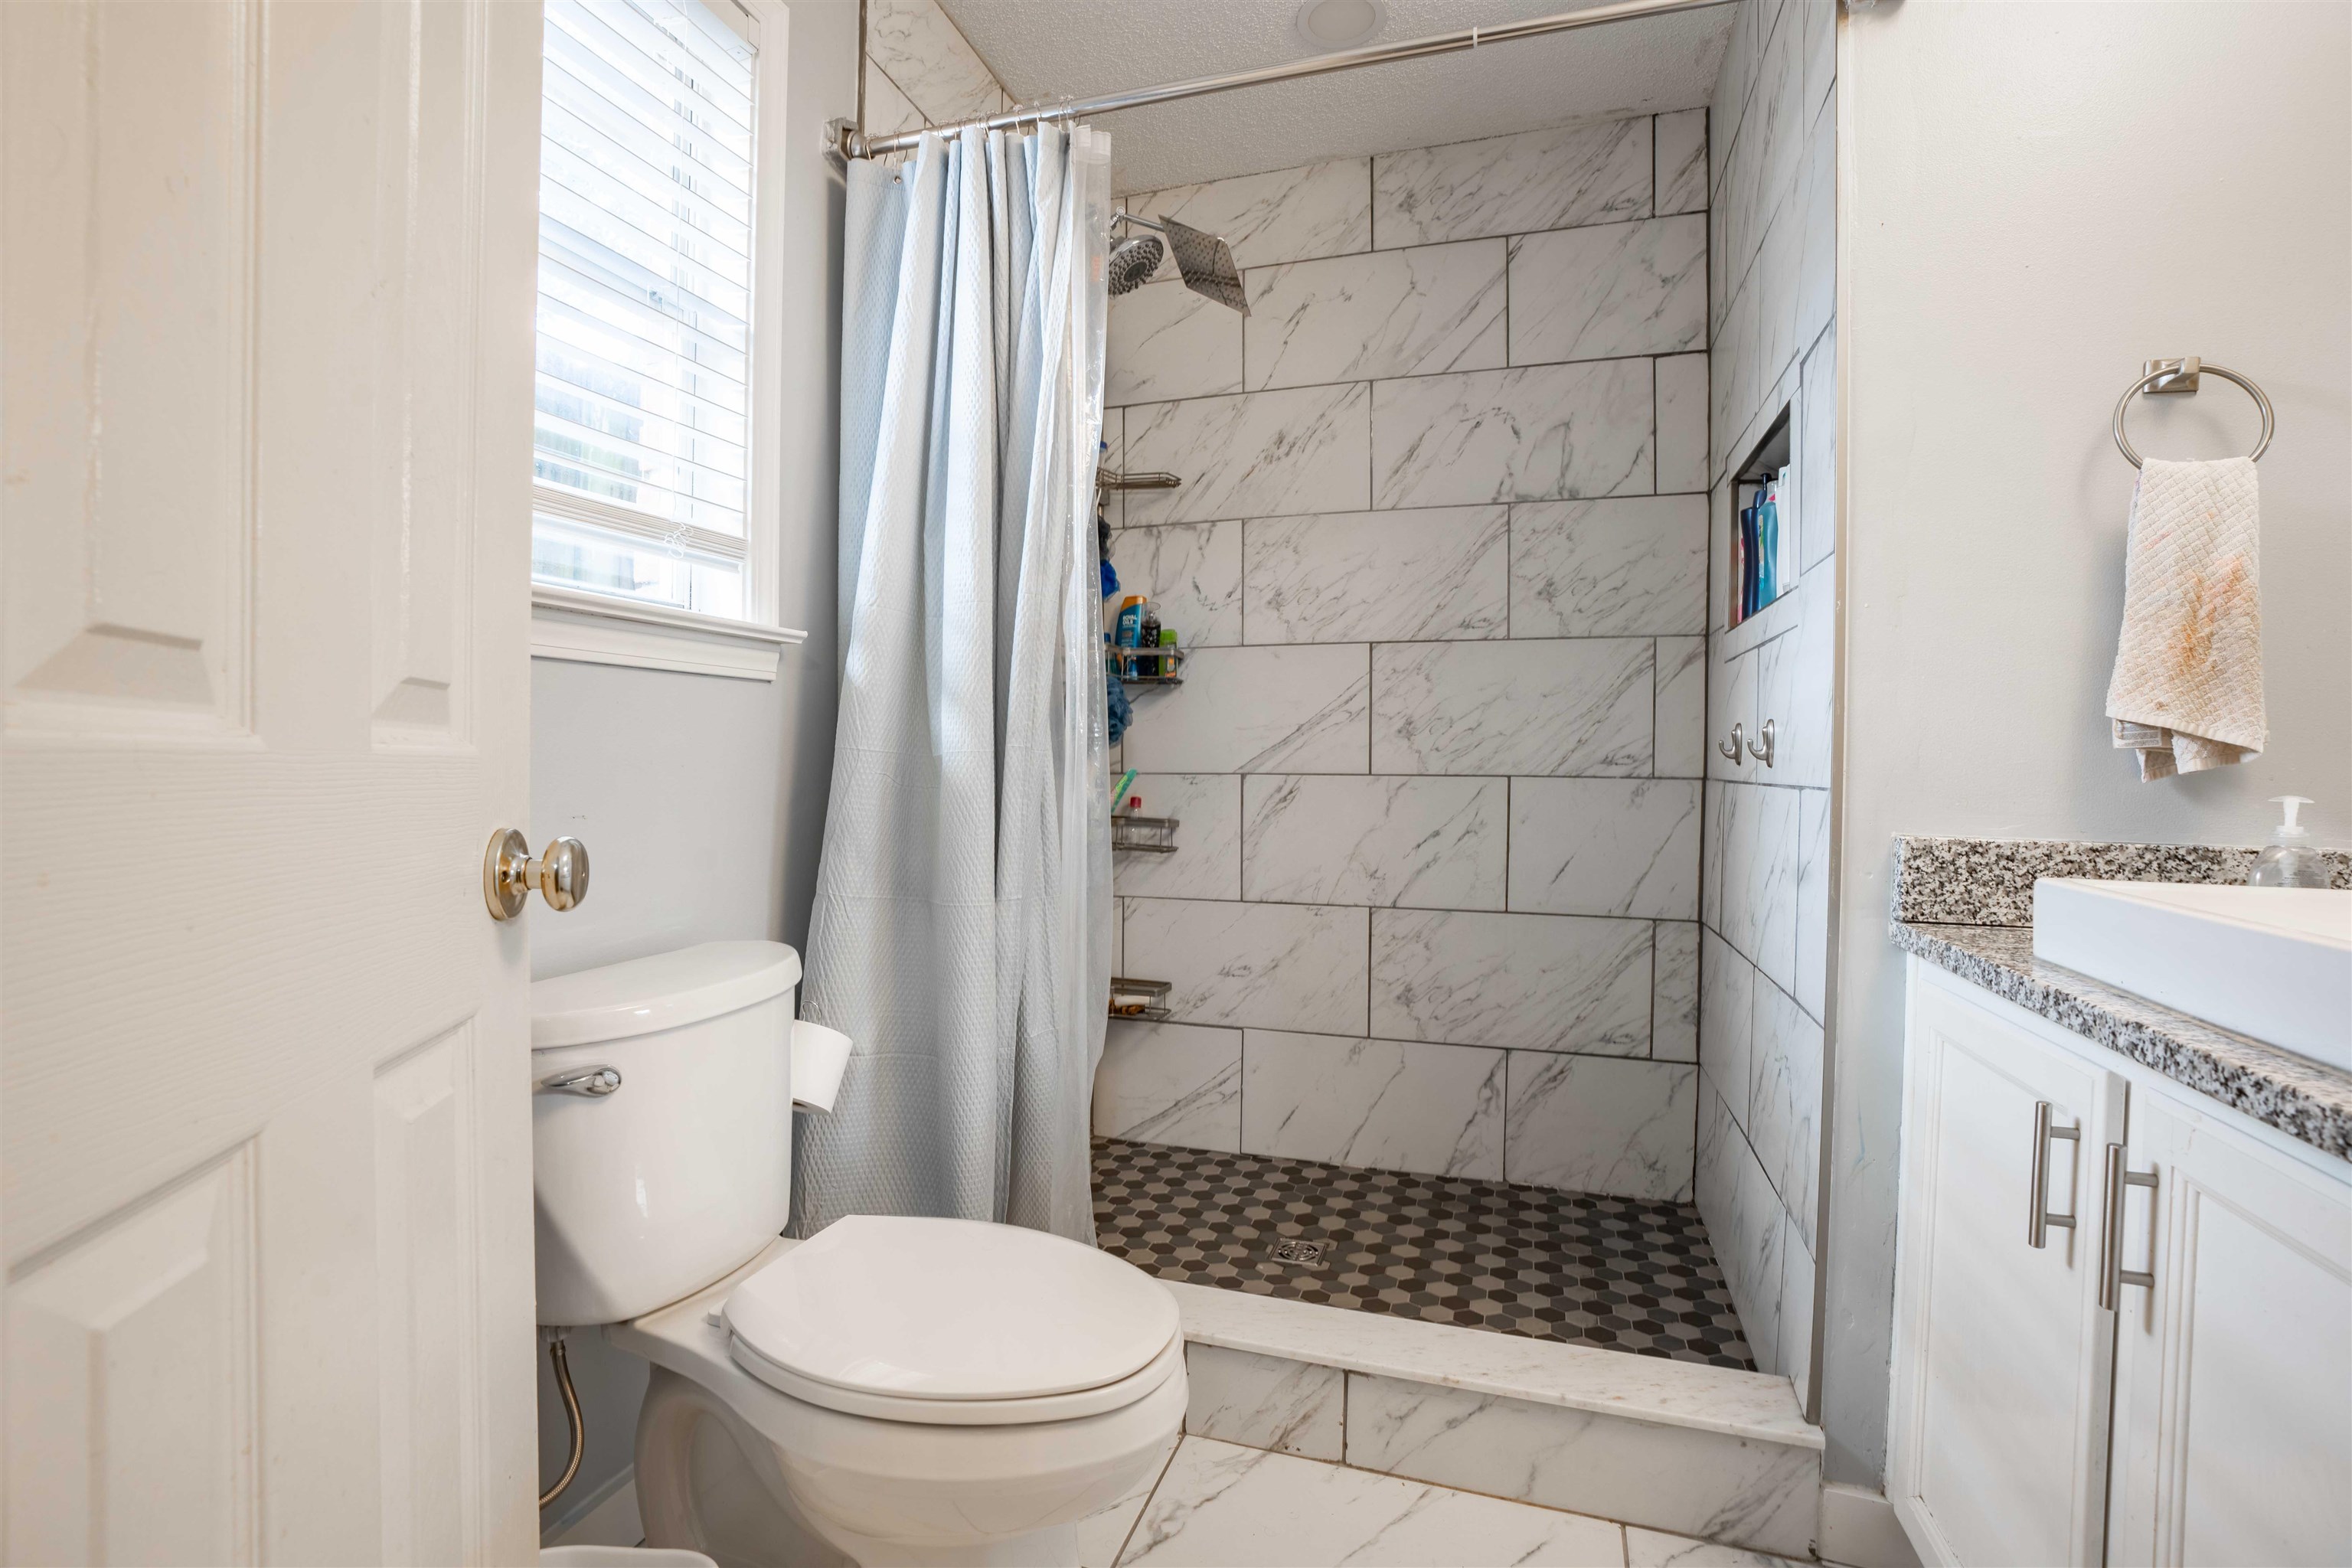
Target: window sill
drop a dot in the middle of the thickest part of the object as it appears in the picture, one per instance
(595, 628)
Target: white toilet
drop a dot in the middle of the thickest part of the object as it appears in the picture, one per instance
(891, 1390)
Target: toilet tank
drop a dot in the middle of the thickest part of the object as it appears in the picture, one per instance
(651, 1191)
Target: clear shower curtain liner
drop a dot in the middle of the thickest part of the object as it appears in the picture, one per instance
(960, 934)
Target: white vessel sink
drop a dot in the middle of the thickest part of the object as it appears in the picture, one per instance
(2273, 962)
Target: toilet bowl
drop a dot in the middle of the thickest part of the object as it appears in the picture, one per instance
(893, 1390)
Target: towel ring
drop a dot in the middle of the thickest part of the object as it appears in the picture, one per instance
(2189, 369)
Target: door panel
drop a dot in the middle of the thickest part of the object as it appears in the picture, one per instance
(2234, 1374)
(130, 135)
(426, 242)
(131, 1382)
(268, 313)
(2002, 1361)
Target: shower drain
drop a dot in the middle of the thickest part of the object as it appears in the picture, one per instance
(1295, 1251)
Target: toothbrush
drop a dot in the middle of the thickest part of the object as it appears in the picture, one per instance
(1119, 791)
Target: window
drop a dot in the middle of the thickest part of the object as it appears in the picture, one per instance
(642, 460)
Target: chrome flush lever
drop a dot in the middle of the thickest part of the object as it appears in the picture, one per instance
(596, 1082)
(1736, 748)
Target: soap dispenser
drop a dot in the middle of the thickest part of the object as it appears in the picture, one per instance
(2289, 860)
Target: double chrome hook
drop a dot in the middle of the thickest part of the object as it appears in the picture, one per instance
(1739, 749)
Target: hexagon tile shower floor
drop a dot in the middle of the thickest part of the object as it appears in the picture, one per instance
(1624, 1274)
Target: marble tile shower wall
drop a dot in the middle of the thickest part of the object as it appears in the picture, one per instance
(1765, 887)
(1441, 555)
(920, 71)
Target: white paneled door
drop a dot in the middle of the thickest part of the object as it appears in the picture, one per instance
(266, 276)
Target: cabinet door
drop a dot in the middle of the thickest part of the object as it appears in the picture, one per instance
(2234, 1372)
(2001, 1349)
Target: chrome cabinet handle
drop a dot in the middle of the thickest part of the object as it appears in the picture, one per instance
(2113, 1275)
(596, 1082)
(509, 872)
(1736, 748)
(2038, 1224)
(1763, 753)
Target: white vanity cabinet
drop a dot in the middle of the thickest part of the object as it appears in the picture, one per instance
(2234, 1372)
(2207, 1417)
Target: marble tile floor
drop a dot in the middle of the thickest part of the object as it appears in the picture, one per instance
(1616, 1273)
(1221, 1505)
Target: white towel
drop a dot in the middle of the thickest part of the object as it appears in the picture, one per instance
(2187, 686)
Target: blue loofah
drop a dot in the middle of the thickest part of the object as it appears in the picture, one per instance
(1120, 711)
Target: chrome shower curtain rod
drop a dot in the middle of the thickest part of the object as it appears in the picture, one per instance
(855, 143)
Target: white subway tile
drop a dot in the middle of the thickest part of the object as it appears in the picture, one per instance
(1429, 842)
(1765, 1495)
(1680, 740)
(1166, 341)
(1620, 289)
(1532, 707)
(1682, 424)
(1416, 574)
(1681, 154)
(1260, 454)
(1267, 966)
(1320, 209)
(929, 58)
(1605, 846)
(1546, 983)
(1385, 313)
(1589, 1125)
(1617, 568)
(1191, 572)
(1207, 863)
(1542, 433)
(1513, 184)
(1256, 710)
(1171, 1083)
(1264, 1401)
(1675, 991)
(1388, 1105)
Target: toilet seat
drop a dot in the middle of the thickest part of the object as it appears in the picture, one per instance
(962, 1411)
(953, 1322)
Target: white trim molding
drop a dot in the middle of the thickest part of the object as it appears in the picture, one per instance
(596, 628)
(1859, 1528)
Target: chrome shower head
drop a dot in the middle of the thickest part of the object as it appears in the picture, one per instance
(1205, 262)
(1133, 260)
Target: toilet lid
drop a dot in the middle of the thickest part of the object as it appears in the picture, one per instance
(952, 1309)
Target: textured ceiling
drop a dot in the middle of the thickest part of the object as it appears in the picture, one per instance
(1048, 49)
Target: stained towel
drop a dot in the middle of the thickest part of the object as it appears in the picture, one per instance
(2188, 687)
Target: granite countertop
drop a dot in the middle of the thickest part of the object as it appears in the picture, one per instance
(1991, 944)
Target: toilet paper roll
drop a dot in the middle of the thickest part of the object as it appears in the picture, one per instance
(819, 1055)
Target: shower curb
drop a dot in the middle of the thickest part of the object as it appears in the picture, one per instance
(1700, 1451)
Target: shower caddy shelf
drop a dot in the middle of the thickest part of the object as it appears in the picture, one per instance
(1170, 667)
(1144, 835)
(1140, 1001)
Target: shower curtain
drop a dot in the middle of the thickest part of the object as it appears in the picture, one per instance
(960, 934)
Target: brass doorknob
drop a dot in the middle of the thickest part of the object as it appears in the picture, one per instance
(509, 872)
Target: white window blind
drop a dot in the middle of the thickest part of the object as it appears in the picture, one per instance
(641, 450)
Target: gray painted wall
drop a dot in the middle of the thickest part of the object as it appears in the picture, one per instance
(2024, 228)
(702, 799)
